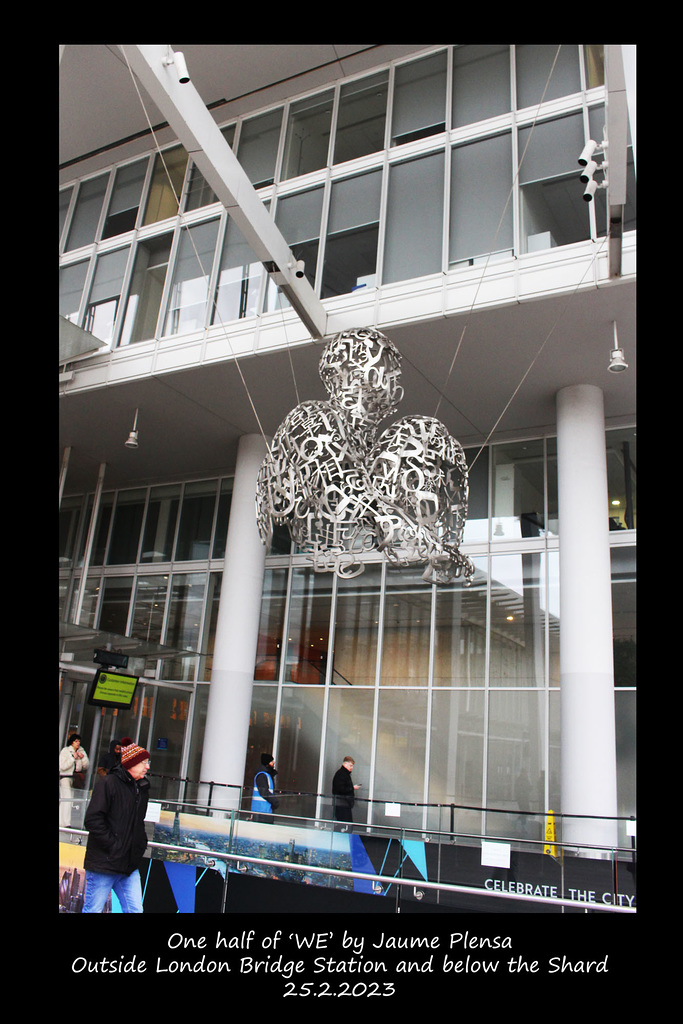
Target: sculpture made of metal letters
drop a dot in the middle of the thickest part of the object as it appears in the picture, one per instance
(341, 489)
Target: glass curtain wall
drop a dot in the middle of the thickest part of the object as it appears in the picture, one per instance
(371, 182)
(444, 695)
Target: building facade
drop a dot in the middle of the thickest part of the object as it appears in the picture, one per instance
(432, 193)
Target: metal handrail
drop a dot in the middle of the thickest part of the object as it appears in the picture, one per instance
(402, 803)
(439, 834)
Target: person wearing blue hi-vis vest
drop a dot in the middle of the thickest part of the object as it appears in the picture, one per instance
(263, 802)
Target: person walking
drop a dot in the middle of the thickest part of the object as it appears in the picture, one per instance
(343, 791)
(73, 766)
(115, 820)
(263, 801)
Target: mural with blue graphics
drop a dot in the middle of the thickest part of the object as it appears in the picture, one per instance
(193, 879)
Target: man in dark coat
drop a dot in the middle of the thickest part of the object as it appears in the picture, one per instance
(343, 791)
(110, 760)
(117, 841)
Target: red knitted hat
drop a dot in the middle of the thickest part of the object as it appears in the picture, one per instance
(131, 753)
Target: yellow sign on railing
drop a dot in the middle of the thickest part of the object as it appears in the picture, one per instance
(550, 835)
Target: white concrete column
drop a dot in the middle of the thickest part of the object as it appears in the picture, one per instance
(232, 676)
(588, 745)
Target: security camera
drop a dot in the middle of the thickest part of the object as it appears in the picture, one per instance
(590, 190)
(299, 268)
(181, 68)
(589, 170)
(587, 152)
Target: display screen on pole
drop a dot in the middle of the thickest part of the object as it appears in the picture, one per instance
(112, 689)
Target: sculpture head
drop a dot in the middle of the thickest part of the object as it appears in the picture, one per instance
(361, 370)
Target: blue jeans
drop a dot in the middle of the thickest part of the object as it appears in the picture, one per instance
(127, 888)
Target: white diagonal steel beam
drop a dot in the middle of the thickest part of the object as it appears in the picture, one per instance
(186, 113)
(617, 139)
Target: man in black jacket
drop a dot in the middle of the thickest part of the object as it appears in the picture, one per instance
(117, 841)
(343, 791)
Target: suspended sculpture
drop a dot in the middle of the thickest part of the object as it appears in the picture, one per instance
(342, 490)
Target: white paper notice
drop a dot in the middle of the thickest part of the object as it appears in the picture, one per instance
(495, 855)
(153, 812)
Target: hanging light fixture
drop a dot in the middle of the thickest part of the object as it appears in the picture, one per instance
(617, 363)
(132, 441)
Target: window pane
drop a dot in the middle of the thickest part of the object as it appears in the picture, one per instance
(624, 615)
(101, 530)
(456, 756)
(105, 294)
(64, 201)
(190, 288)
(196, 521)
(239, 279)
(298, 752)
(361, 118)
(516, 763)
(69, 519)
(71, 281)
(115, 604)
(170, 718)
(125, 534)
(348, 734)
(594, 57)
(481, 215)
(551, 486)
(477, 523)
(625, 717)
(407, 616)
(353, 230)
(258, 145)
(553, 210)
(622, 479)
(86, 216)
(271, 625)
(356, 629)
(401, 749)
(518, 490)
(160, 524)
(460, 633)
(149, 608)
(146, 290)
(538, 80)
(481, 83)
(298, 218)
(184, 621)
(89, 608)
(553, 621)
(308, 629)
(414, 219)
(210, 623)
(308, 135)
(167, 185)
(222, 519)
(198, 192)
(419, 99)
(261, 740)
(125, 199)
(518, 615)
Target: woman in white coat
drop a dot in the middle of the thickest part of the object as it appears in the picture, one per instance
(73, 761)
